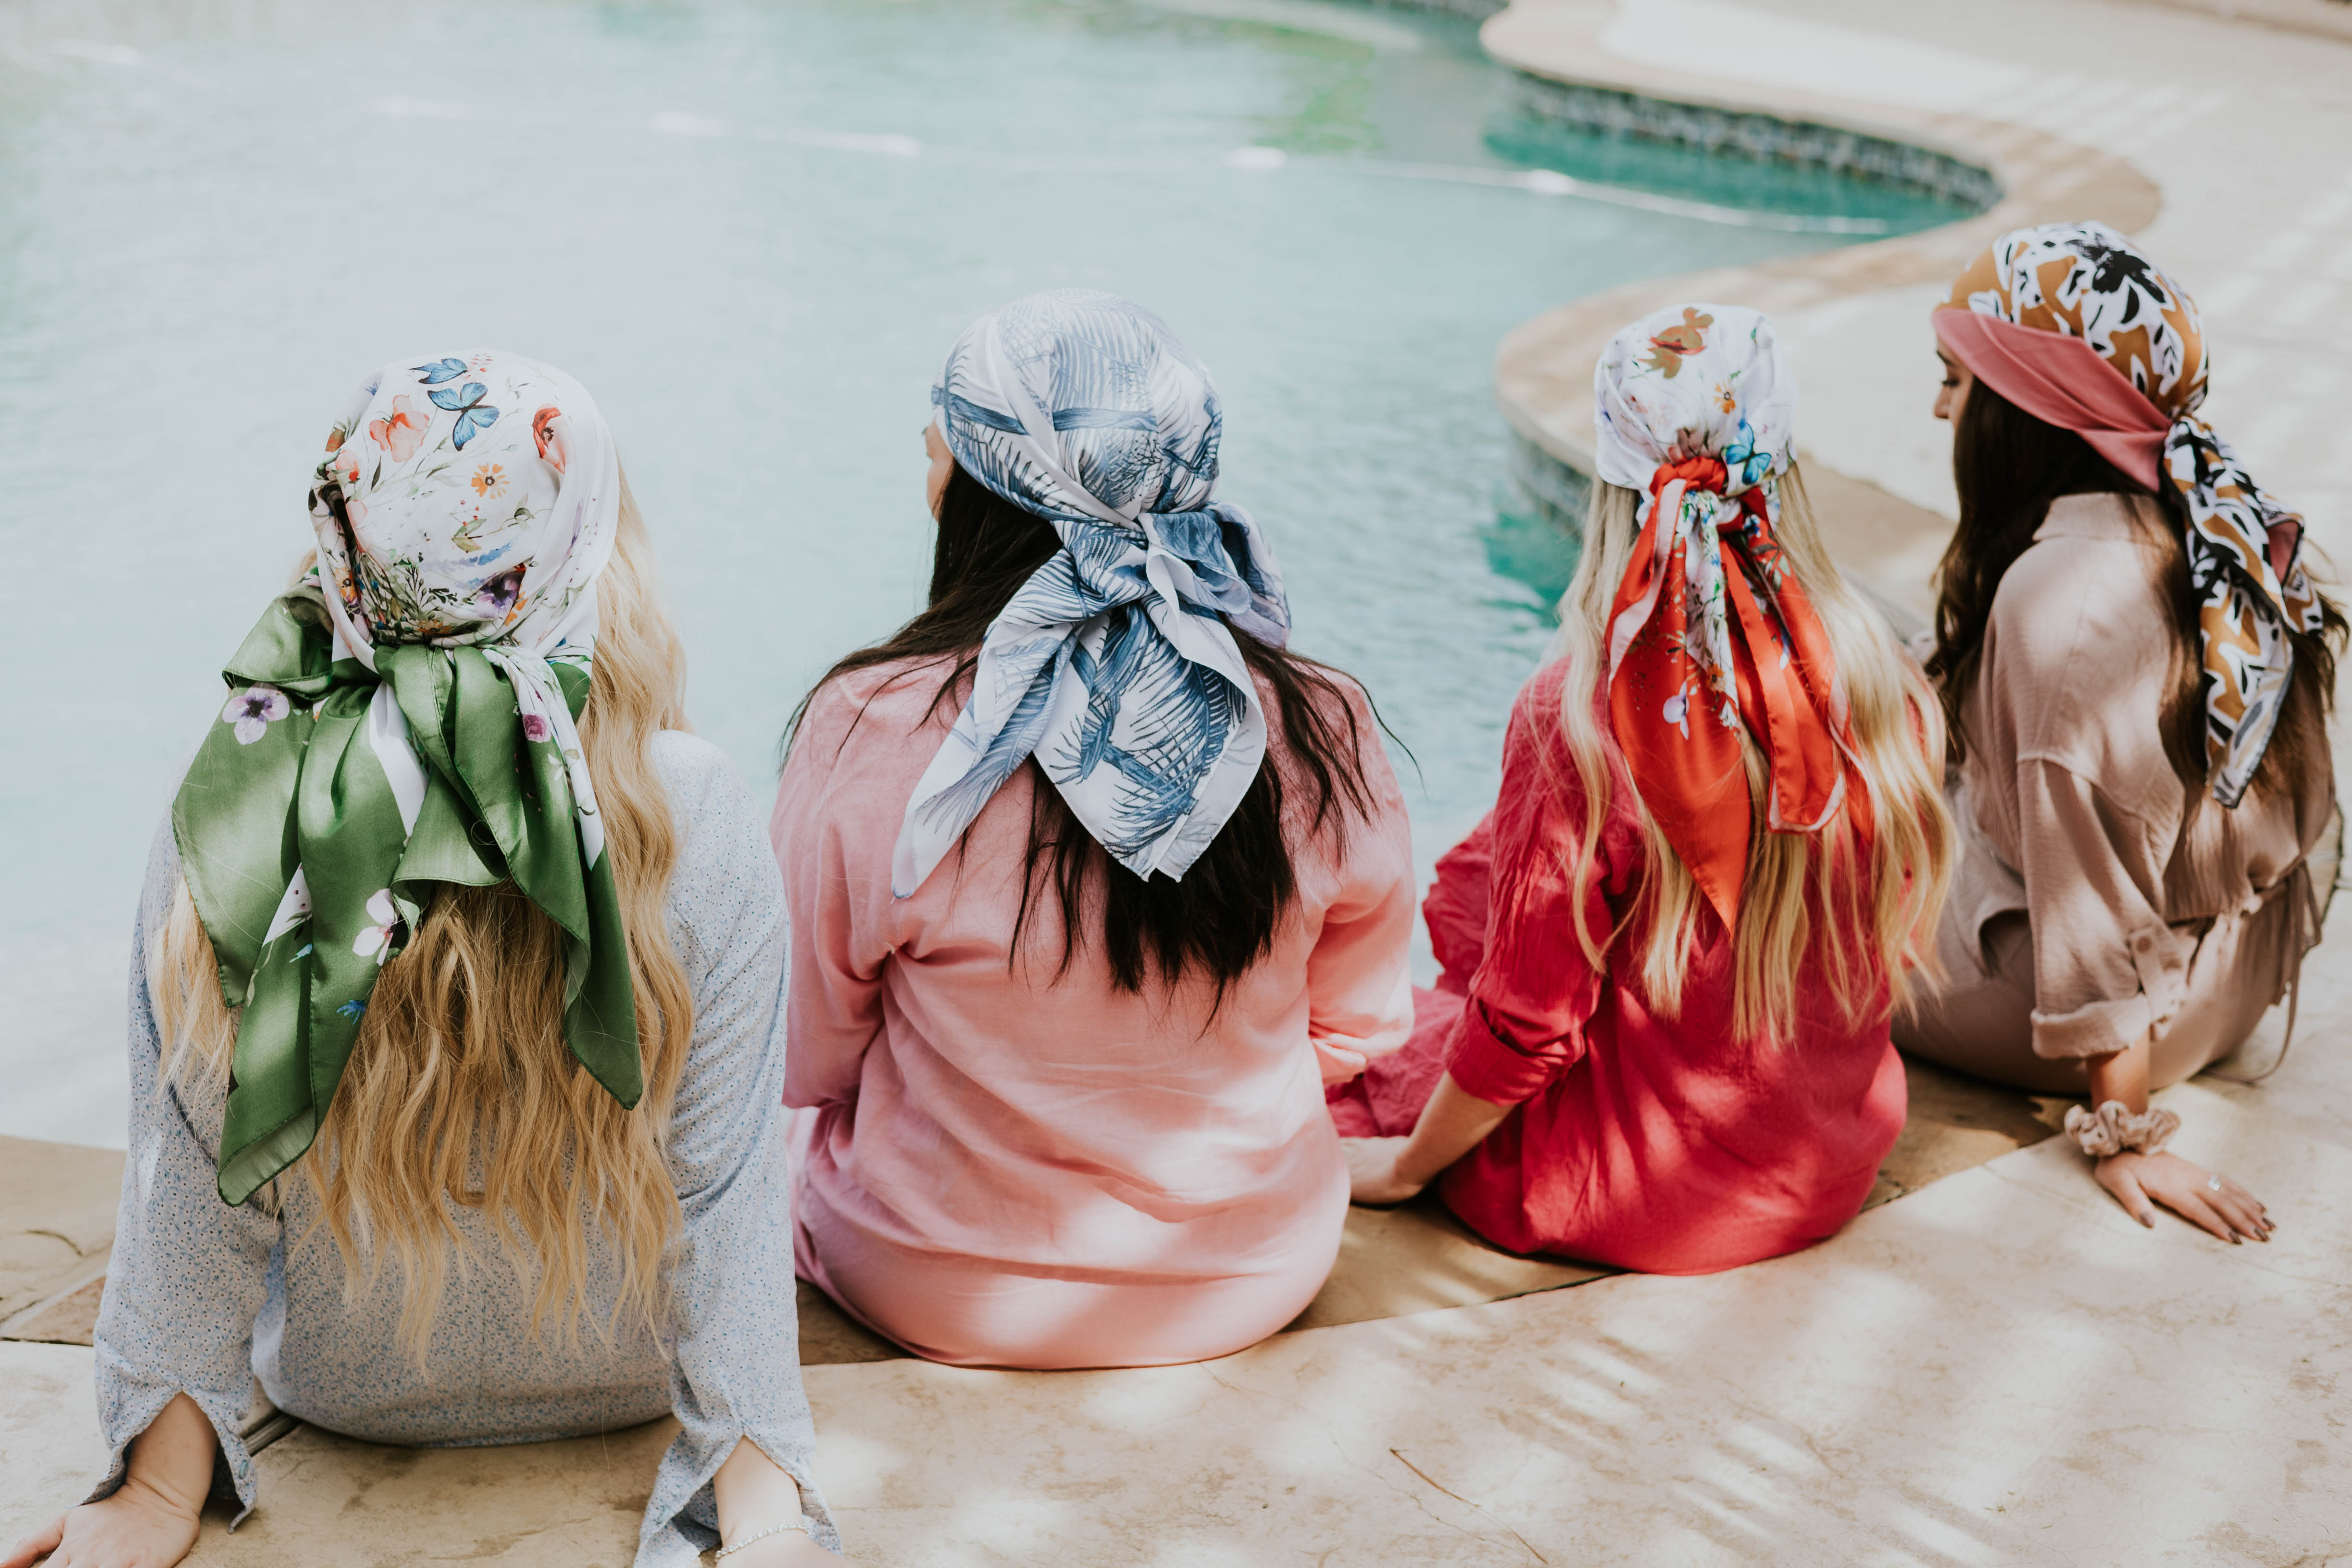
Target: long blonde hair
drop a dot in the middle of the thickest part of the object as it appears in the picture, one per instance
(460, 1089)
(1881, 919)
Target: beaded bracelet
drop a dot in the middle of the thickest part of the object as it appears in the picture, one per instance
(799, 1524)
(2113, 1128)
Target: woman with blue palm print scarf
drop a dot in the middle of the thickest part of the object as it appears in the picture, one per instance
(1095, 884)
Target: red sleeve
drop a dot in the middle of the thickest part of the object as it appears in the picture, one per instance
(1455, 909)
(1535, 989)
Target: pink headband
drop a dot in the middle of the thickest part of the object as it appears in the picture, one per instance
(2062, 381)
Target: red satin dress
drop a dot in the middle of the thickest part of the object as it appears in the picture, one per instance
(1653, 1143)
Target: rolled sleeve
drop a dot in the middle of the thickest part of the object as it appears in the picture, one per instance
(1535, 989)
(2108, 972)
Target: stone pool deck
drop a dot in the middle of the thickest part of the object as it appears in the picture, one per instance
(1997, 1368)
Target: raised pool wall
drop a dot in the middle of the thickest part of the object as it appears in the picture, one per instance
(2011, 174)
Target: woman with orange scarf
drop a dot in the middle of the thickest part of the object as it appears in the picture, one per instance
(2137, 670)
(1661, 1040)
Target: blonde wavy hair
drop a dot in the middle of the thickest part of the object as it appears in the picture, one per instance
(1881, 918)
(460, 1089)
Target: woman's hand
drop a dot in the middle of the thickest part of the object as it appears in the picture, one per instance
(2209, 1201)
(1373, 1175)
(1391, 1169)
(137, 1527)
(149, 1522)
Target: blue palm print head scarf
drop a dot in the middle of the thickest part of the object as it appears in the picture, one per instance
(1113, 665)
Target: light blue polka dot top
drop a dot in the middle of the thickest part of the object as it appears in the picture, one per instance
(204, 1298)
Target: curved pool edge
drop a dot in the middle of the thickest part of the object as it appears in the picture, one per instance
(1543, 366)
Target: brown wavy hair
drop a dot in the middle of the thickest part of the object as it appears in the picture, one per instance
(1221, 918)
(460, 1089)
(2010, 465)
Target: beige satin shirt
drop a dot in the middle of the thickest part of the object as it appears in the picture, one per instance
(2072, 812)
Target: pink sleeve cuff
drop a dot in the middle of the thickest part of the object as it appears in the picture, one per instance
(1338, 1063)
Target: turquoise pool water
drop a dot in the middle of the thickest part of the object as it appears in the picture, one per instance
(752, 229)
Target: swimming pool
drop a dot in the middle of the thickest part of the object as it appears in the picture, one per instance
(751, 230)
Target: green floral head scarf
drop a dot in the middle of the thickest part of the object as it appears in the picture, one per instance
(404, 720)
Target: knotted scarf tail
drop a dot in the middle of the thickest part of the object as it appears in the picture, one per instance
(1678, 719)
(1671, 720)
(2245, 566)
(310, 873)
(600, 1014)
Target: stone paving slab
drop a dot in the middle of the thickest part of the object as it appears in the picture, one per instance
(50, 1455)
(2002, 1369)
(56, 1218)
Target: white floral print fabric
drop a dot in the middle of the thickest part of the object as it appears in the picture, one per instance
(472, 500)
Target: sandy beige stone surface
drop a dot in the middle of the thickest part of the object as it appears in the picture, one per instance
(57, 1219)
(49, 1449)
(2002, 1369)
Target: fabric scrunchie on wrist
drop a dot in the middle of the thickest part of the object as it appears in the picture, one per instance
(2112, 1130)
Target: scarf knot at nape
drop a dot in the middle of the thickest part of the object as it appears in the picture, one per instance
(1712, 642)
(407, 722)
(1115, 666)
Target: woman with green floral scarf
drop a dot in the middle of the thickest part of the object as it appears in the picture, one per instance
(456, 1031)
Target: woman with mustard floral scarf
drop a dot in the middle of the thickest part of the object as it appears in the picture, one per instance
(2137, 669)
(456, 1026)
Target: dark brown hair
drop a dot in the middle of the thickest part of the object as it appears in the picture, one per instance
(1222, 918)
(2010, 465)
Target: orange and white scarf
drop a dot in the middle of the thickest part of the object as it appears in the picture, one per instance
(1712, 637)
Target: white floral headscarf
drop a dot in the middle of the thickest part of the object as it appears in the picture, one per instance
(1113, 664)
(404, 724)
(480, 497)
(1695, 381)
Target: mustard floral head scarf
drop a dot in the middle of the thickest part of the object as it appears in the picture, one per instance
(406, 719)
(2086, 282)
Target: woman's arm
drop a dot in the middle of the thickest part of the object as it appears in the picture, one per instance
(1358, 978)
(1391, 1169)
(187, 1278)
(2108, 973)
(151, 1520)
(1535, 988)
(836, 892)
(2204, 1198)
(736, 1377)
(760, 1514)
